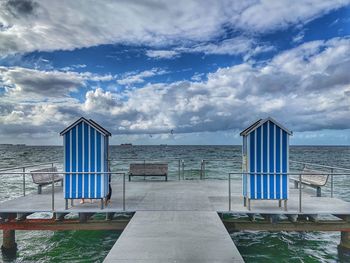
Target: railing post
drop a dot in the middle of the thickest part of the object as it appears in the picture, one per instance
(229, 192)
(300, 209)
(123, 191)
(183, 170)
(332, 170)
(179, 170)
(53, 192)
(24, 181)
(203, 169)
(201, 173)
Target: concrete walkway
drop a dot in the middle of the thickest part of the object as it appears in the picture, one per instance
(174, 236)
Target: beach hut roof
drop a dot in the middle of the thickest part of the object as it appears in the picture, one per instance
(260, 122)
(89, 122)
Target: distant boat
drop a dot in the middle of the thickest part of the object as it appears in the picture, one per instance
(126, 144)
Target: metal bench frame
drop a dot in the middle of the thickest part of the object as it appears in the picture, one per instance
(148, 169)
(313, 178)
(40, 178)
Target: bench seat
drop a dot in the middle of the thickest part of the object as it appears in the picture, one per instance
(312, 178)
(148, 169)
(40, 178)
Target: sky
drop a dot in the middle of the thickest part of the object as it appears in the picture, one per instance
(175, 72)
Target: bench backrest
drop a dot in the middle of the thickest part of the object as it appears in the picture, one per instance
(148, 168)
(45, 178)
(315, 176)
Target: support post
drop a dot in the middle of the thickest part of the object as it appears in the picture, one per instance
(9, 245)
(183, 170)
(53, 192)
(124, 192)
(24, 181)
(300, 196)
(229, 192)
(332, 183)
(318, 191)
(203, 169)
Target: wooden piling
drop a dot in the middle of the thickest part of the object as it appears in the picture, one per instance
(9, 245)
(345, 240)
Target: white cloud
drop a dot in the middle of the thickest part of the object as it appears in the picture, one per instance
(268, 15)
(131, 78)
(307, 88)
(46, 25)
(288, 88)
(31, 83)
(232, 46)
(162, 54)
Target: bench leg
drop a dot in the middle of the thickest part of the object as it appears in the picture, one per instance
(129, 178)
(101, 203)
(39, 189)
(296, 184)
(285, 205)
(244, 201)
(166, 177)
(279, 203)
(66, 204)
(318, 191)
(248, 204)
(72, 202)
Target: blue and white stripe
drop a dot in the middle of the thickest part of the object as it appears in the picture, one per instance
(267, 151)
(85, 150)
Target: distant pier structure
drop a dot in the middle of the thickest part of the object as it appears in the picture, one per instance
(85, 150)
(265, 161)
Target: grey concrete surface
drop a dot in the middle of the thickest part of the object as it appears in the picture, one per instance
(174, 236)
(185, 195)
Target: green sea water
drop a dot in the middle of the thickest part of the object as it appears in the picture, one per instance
(93, 246)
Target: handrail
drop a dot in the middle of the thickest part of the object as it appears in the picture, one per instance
(27, 166)
(63, 173)
(321, 165)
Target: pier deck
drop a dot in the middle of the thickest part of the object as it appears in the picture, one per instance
(174, 236)
(176, 221)
(185, 195)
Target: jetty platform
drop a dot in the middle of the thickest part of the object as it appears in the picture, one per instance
(177, 220)
(184, 195)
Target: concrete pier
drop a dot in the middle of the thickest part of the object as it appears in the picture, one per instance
(174, 236)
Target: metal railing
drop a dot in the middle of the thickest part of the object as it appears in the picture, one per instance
(330, 168)
(23, 173)
(71, 173)
(194, 165)
(300, 181)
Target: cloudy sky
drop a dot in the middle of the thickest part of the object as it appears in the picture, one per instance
(175, 72)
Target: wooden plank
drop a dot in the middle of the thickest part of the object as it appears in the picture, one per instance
(326, 225)
(67, 224)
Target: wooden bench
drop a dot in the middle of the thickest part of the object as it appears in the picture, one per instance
(312, 178)
(40, 178)
(148, 169)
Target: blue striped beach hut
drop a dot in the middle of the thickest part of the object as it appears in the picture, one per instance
(265, 162)
(85, 150)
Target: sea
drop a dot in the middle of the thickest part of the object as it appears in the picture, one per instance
(93, 246)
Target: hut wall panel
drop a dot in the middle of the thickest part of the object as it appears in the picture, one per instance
(85, 151)
(267, 150)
